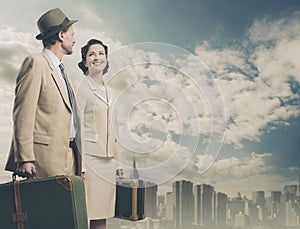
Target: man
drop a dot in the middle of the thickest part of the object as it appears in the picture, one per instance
(46, 134)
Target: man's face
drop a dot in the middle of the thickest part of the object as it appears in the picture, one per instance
(68, 40)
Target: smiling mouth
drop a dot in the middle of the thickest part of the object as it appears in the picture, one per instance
(97, 63)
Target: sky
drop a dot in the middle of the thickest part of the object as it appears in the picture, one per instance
(208, 90)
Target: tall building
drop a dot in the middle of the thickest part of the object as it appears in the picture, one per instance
(161, 200)
(220, 206)
(298, 189)
(134, 172)
(151, 199)
(258, 198)
(251, 211)
(289, 193)
(235, 207)
(169, 206)
(292, 215)
(203, 205)
(241, 220)
(161, 206)
(276, 196)
(259, 202)
(275, 205)
(197, 205)
(262, 214)
(291, 205)
(151, 192)
(183, 203)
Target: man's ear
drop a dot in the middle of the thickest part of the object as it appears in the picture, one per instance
(60, 35)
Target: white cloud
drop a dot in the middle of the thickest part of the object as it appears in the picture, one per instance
(90, 17)
(14, 46)
(294, 169)
(255, 78)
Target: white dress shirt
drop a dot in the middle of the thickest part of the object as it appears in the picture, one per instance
(56, 62)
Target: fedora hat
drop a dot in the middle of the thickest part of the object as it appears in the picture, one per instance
(52, 22)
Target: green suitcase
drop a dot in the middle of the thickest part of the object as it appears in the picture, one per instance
(44, 203)
(130, 199)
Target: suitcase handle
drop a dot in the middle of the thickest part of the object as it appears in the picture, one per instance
(19, 174)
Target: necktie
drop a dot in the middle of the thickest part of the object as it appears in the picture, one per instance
(70, 92)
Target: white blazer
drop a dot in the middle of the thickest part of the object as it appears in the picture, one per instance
(98, 122)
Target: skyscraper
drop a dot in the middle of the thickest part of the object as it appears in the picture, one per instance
(161, 206)
(258, 198)
(197, 205)
(289, 193)
(220, 209)
(183, 203)
(151, 199)
(275, 206)
(292, 216)
(203, 202)
(298, 189)
(276, 196)
(134, 172)
(241, 220)
(252, 212)
(169, 206)
(235, 207)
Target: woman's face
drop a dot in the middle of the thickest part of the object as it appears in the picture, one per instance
(96, 59)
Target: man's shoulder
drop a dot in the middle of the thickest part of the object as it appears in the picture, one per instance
(36, 56)
(35, 59)
(33, 62)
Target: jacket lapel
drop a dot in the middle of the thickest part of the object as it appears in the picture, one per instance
(102, 99)
(58, 81)
(93, 88)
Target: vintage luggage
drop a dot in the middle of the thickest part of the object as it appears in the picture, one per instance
(130, 199)
(54, 202)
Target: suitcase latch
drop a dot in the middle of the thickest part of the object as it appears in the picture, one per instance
(19, 217)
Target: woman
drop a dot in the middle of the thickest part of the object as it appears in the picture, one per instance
(95, 105)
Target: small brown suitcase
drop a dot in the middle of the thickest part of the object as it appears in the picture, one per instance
(130, 199)
(48, 203)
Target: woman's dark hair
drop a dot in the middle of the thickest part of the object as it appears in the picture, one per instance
(84, 51)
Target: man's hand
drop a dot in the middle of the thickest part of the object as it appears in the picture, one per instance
(27, 169)
(83, 174)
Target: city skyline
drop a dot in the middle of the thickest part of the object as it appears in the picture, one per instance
(192, 205)
(250, 48)
(189, 205)
(267, 193)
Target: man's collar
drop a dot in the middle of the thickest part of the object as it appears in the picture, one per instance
(53, 57)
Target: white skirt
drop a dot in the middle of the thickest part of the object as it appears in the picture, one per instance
(100, 187)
